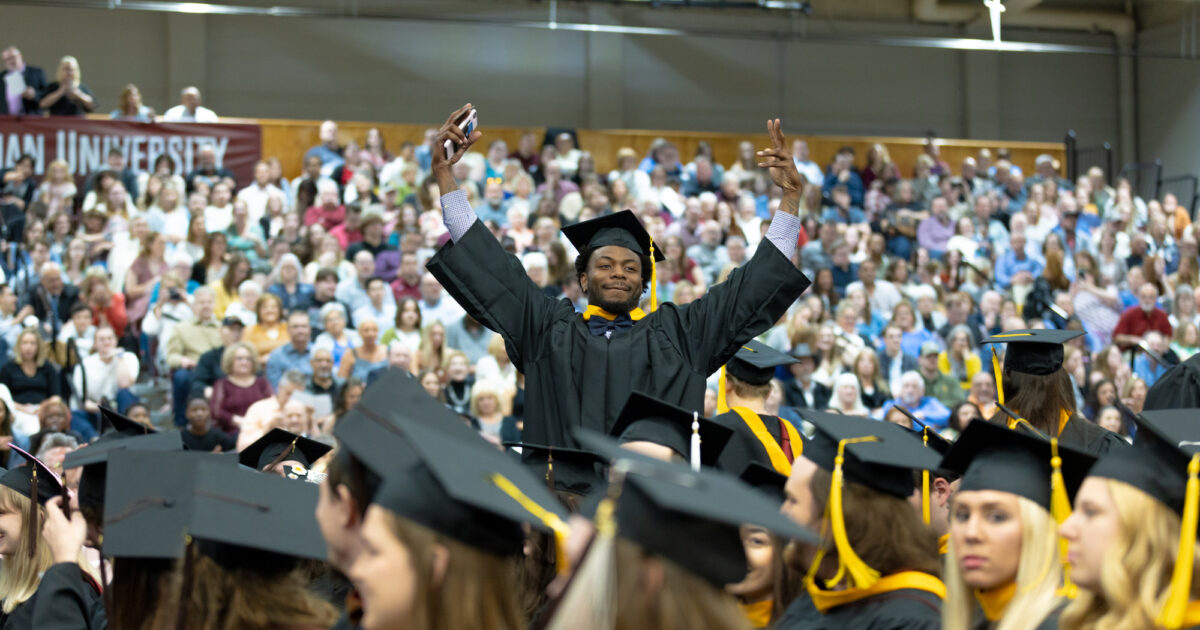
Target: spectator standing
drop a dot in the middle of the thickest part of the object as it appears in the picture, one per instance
(67, 95)
(23, 85)
(186, 344)
(130, 106)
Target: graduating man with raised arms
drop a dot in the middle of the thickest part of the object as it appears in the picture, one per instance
(580, 368)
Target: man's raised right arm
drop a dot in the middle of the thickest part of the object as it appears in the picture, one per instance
(456, 212)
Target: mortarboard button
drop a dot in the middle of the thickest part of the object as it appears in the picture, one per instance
(282, 445)
(1037, 352)
(622, 229)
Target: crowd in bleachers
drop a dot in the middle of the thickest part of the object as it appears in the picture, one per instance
(275, 301)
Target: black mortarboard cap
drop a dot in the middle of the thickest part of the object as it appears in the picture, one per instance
(647, 419)
(994, 457)
(49, 484)
(94, 457)
(148, 502)
(112, 421)
(884, 464)
(764, 478)
(278, 442)
(619, 228)
(565, 469)
(1157, 464)
(691, 518)
(755, 363)
(467, 490)
(1037, 352)
(234, 506)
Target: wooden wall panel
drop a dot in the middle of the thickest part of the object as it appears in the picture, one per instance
(289, 139)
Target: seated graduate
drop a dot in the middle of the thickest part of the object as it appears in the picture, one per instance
(441, 542)
(741, 405)
(286, 454)
(770, 584)
(933, 489)
(1036, 387)
(1132, 537)
(242, 541)
(660, 430)
(1004, 568)
(877, 566)
(668, 542)
(118, 433)
(24, 493)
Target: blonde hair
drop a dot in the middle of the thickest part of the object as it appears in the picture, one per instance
(477, 589)
(58, 74)
(1136, 571)
(20, 575)
(1039, 574)
(227, 356)
(610, 589)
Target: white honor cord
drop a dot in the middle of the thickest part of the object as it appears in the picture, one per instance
(696, 441)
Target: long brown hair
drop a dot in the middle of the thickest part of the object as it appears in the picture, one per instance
(1053, 272)
(885, 531)
(477, 590)
(1039, 398)
(246, 594)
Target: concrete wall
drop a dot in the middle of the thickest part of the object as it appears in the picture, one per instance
(1169, 101)
(414, 72)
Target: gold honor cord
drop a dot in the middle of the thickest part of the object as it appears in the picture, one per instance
(925, 508)
(862, 575)
(547, 518)
(653, 279)
(999, 379)
(1176, 608)
(779, 460)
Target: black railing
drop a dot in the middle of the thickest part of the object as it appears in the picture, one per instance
(1145, 178)
(1079, 159)
(1186, 189)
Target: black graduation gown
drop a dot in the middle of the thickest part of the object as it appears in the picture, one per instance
(901, 609)
(576, 379)
(1091, 437)
(744, 446)
(65, 600)
(1049, 623)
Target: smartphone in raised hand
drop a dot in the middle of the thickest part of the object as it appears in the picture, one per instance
(467, 125)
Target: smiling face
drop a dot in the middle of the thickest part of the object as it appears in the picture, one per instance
(985, 529)
(613, 280)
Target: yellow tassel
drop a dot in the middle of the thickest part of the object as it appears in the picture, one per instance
(925, 509)
(653, 279)
(722, 405)
(550, 519)
(861, 574)
(1173, 611)
(1060, 509)
(999, 378)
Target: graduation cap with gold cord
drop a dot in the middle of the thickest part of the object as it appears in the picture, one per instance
(471, 492)
(690, 435)
(878, 455)
(622, 229)
(1165, 464)
(754, 364)
(992, 457)
(1034, 352)
(930, 438)
(278, 446)
(441, 474)
(671, 510)
(37, 482)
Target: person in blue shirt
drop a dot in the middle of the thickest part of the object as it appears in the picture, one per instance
(1015, 265)
(841, 211)
(1148, 369)
(842, 172)
(844, 271)
(329, 152)
(912, 398)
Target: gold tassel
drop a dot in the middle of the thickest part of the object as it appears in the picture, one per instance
(722, 404)
(1173, 611)
(925, 508)
(1060, 509)
(548, 518)
(861, 574)
(653, 279)
(999, 378)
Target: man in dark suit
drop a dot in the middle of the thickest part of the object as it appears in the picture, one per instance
(803, 392)
(21, 86)
(52, 297)
(892, 361)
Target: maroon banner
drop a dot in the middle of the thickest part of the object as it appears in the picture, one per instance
(84, 144)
